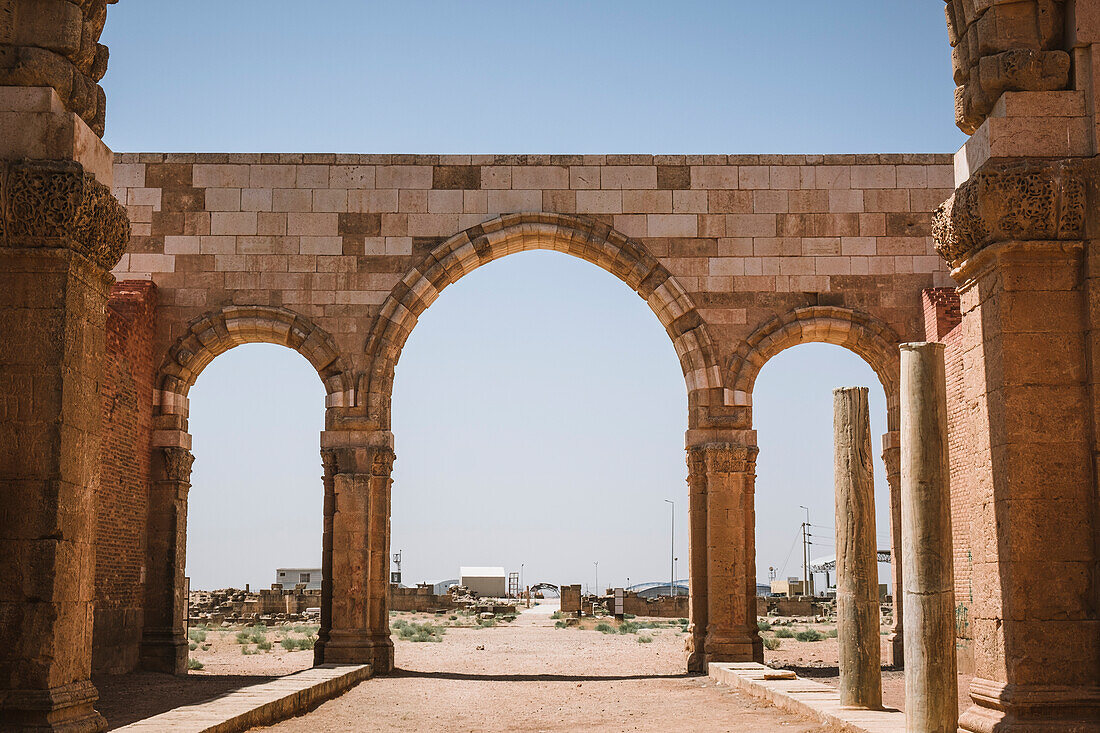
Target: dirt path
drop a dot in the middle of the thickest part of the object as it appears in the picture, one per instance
(531, 676)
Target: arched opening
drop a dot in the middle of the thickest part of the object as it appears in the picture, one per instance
(538, 420)
(254, 513)
(167, 641)
(787, 372)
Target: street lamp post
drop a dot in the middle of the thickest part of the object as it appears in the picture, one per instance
(672, 550)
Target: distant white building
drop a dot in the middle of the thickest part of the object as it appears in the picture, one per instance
(290, 577)
(492, 582)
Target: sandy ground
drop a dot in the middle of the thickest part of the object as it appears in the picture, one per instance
(558, 679)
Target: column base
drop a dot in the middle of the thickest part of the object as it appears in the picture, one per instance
(696, 656)
(67, 709)
(734, 649)
(164, 650)
(897, 650)
(999, 708)
(356, 647)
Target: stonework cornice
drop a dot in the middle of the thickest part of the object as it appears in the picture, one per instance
(57, 204)
(1027, 200)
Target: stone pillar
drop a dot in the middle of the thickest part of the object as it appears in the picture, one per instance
(697, 561)
(359, 621)
(328, 480)
(1034, 619)
(931, 685)
(729, 471)
(164, 639)
(856, 552)
(891, 459)
(1029, 424)
(61, 231)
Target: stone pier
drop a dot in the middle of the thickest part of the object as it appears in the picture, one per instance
(931, 688)
(856, 552)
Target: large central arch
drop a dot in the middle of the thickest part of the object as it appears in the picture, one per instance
(581, 237)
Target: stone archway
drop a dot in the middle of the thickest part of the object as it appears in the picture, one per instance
(873, 341)
(586, 239)
(164, 639)
(578, 236)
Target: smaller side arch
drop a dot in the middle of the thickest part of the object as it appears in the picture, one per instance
(215, 333)
(868, 337)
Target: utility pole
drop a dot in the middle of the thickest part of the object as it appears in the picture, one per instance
(672, 551)
(596, 590)
(806, 552)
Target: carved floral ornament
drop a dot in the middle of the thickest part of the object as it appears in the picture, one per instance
(51, 203)
(1018, 201)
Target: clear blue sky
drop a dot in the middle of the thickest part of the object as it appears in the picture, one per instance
(547, 434)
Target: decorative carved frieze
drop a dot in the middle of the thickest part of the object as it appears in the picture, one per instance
(1017, 201)
(712, 458)
(1002, 47)
(177, 464)
(55, 43)
(53, 203)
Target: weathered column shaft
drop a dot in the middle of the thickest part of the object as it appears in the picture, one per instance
(891, 459)
(856, 552)
(378, 539)
(328, 481)
(164, 637)
(697, 560)
(732, 634)
(931, 686)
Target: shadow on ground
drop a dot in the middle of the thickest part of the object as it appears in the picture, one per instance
(128, 698)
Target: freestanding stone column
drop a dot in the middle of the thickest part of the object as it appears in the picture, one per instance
(856, 552)
(732, 634)
(931, 687)
(164, 638)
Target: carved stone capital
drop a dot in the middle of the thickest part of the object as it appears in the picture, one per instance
(177, 464)
(53, 203)
(1029, 200)
(712, 458)
(382, 462)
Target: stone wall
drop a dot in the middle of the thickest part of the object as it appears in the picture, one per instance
(663, 607)
(122, 498)
(420, 598)
(942, 324)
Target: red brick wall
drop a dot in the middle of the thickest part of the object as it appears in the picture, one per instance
(942, 319)
(122, 499)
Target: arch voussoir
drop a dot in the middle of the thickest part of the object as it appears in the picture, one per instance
(594, 241)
